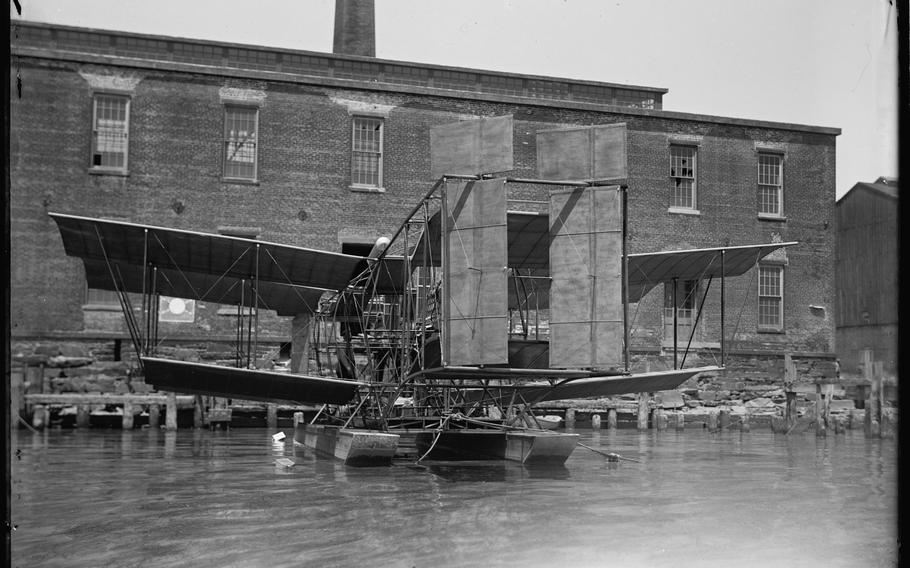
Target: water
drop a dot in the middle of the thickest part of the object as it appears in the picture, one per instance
(200, 498)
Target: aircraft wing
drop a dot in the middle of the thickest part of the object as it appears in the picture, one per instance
(285, 299)
(647, 270)
(590, 386)
(246, 384)
(613, 385)
(204, 266)
(529, 241)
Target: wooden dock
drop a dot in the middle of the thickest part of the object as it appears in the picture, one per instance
(34, 409)
(40, 404)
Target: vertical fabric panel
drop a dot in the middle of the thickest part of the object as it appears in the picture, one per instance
(583, 153)
(472, 147)
(475, 285)
(586, 328)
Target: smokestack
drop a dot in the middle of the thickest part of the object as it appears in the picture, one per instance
(355, 28)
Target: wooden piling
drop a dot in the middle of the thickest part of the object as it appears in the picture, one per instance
(821, 426)
(272, 415)
(712, 421)
(878, 375)
(680, 420)
(747, 418)
(611, 419)
(570, 418)
(83, 412)
(659, 419)
(298, 418)
(127, 415)
(643, 411)
(871, 422)
(839, 425)
(170, 412)
(778, 424)
(39, 417)
(790, 411)
(15, 398)
(887, 424)
(724, 419)
(44, 378)
(198, 412)
(595, 421)
(154, 416)
(868, 419)
(875, 429)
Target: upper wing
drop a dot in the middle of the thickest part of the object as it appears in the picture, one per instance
(647, 270)
(203, 266)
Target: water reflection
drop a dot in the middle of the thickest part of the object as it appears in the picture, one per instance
(219, 498)
(498, 472)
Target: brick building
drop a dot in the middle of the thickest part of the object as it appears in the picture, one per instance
(331, 150)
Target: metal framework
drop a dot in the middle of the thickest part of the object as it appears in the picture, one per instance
(379, 320)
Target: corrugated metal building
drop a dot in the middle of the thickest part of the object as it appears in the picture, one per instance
(867, 275)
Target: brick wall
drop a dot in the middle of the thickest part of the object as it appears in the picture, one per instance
(302, 196)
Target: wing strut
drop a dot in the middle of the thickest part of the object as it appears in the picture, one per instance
(125, 304)
(701, 308)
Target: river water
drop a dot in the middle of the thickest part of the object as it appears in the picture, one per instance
(200, 498)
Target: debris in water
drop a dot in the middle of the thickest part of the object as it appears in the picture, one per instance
(284, 462)
(278, 437)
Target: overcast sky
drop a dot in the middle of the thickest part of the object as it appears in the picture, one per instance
(818, 62)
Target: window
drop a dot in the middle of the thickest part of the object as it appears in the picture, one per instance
(686, 307)
(770, 185)
(366, 158)
(240, 129)
(682, 177)
(770, 297)
(110, 132)
(686, 297)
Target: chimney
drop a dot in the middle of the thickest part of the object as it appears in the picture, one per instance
(355, 28)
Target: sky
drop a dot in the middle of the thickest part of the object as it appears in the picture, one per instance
(817, 62)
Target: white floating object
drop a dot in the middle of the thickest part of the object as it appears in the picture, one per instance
(284, 462)
(278, 437)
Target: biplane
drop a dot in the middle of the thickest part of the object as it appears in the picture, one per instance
(435, 339)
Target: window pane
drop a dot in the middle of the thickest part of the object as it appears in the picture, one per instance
(366, 158)
(682, 177)
(769, 169)
(769, 199)
(770, 183)
(682, 161)
(770, 296)
(683, 193)
(240, 142)
(769, 312)
(686, 298)
(110, 132)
